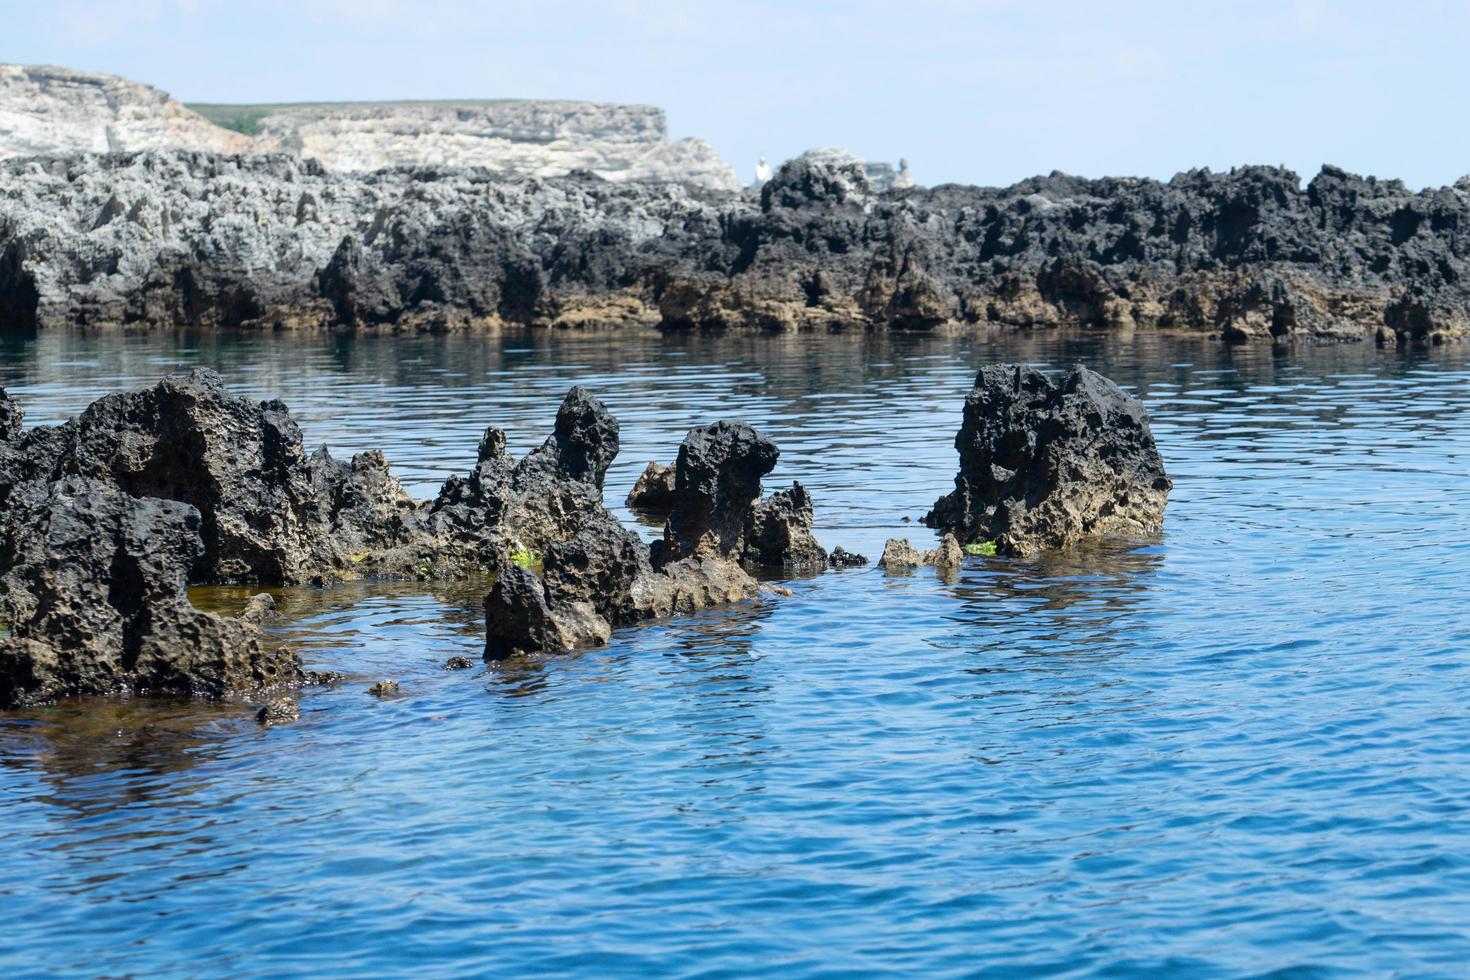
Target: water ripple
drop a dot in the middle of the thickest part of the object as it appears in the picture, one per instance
(1237, 749)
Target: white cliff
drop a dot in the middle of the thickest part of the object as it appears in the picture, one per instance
(49, 111)
(531, 138)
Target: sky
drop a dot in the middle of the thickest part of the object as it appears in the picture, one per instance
(985, 92)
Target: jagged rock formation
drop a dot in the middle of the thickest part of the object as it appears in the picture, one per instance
(150, 239)
(48, 110)
(599, 575)
(1047, 462)
(653, 494)
(94, 592)
(512, 137)
(105, 519)
(267, 514)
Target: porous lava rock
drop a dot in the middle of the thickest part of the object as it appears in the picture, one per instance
(95, 594)
(596, 574)
(653, 494)
(1254, 254)
(778, 532)
(717, 481)
(188, 483)
(1046, 462)
(238, 463)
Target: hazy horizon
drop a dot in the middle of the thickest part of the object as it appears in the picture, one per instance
(986, 93)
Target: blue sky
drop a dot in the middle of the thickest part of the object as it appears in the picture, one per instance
(984, 92)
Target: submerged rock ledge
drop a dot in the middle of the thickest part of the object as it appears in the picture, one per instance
(183, 238)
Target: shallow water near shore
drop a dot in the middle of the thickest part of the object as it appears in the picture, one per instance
(1241, 747)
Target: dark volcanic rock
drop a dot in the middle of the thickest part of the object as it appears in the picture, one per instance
(12, 416)
(653, 494)
(596, 574)
(1247, 254)
(384, 689)
(519, 619)
(583, 445)
(94, 590)
(779, 532)
(842, 558)
(362, 506)
(187, 439)
(189, 483)
(1046, 462)
(717, 481)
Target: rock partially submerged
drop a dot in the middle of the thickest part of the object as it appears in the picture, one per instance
(278, 711)
(1046, 462)
(267, 515)
(107, 518)
(716, 507)
(898, 554)
(602, 575)
(653, 494)
(94, 591)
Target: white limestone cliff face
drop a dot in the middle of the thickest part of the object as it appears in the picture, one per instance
(49, 110)
(532, 138)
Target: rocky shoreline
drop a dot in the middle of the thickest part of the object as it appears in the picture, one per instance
(163, 239)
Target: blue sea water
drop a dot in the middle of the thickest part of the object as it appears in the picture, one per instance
(1242, 748)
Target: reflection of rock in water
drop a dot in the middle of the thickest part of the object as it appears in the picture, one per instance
(77, 745)
(310, 617)
(1086, 592)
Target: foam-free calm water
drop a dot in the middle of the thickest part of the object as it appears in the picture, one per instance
(1242, 747)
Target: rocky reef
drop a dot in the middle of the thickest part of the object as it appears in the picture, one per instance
(106, 519)
(1046, 462)
(157, 239)
(601, 575)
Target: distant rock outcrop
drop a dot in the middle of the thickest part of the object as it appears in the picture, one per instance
(153, 239)
(515, 137)
(51, 111)
(48, 110)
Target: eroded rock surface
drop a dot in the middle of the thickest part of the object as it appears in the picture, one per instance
(653, 494)
(266, 514)
(107, 518)
(94, 592)
(898, 554)
(778, 532)
(602, 575)
(199, 239)
(1046, 462)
